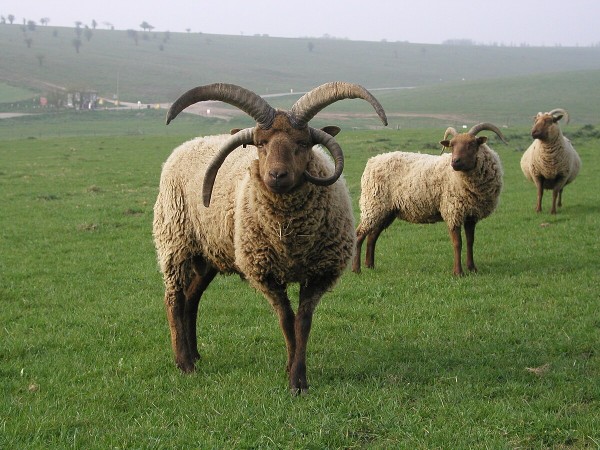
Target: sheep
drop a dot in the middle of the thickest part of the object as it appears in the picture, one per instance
(550, 162)
(459, 189)
(278, 212)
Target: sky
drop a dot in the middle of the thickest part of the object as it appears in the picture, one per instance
(504, 22)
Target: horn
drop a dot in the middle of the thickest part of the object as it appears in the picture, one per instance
(450, 131)
(314, 101)
(243, 137)
(560, 111)
(325, 139)
(249, 102)
(487, 126)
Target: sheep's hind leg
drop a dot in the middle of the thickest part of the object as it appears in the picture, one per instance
(372, 240)
(204, 274)
(556, 196)
(360, 237)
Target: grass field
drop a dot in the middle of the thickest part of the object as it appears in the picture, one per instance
(403, 356)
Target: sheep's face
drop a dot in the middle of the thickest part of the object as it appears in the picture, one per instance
(545, 126)
(283, 154)
(464, 151)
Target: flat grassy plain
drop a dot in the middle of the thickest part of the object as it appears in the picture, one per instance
(402, 356)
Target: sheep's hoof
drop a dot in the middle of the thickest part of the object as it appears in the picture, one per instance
(295, 392)
(186, 367)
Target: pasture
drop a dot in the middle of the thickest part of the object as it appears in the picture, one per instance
(403, 356)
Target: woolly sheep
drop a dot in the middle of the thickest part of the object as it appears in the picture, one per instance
(259, 217)
(550, 162)
(460, 189)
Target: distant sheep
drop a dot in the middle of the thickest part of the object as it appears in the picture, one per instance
(279, 213)
(460, 189)
(550, 162)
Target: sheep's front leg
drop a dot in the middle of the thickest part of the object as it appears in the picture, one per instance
(470, 235)
(457, 245)
(277, 295)
(175, 306)
(539, 182)
(310, 295)
(204, 274)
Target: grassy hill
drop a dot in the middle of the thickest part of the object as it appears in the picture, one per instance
(493, 83)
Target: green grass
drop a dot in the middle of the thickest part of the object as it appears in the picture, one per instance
(403, 356)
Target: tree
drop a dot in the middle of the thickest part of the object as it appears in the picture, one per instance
(28, 42)
(44, 21)
(311, 46)
(146, 26)
(87, 33)
(78, 30)
(10, 18)
(31, 25)
(77, 44)
(94, 24)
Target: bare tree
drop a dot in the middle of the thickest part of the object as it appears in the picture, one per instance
(10, 18)
(44, 21)
(28, 42)
(87, 32)
(94, 24)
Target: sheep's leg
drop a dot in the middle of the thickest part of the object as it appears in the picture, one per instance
(457, 245)
(539, 182)
(560, 198)
(175, 306)
(372, 240)
(203, 276)
(470, 235)
(276, 293)
(360, 237)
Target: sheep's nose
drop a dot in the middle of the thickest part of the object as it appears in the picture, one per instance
(278, 175)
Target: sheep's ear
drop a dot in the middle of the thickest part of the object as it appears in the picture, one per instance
(557, 117)
(481, 140)
(445, 143)
(234, 130)
(331, 130)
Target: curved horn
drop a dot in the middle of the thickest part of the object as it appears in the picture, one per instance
(560, 111)
(249, 102)
(320, 137)
(450, 131)
(242, 137)
(314, 101)
(487, 126)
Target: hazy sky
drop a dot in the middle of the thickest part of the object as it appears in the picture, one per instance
(547, 22)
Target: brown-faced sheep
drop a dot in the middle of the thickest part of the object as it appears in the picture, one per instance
(460, 189)
(279, 213)
(550, 162)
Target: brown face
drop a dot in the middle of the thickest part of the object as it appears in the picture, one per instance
(542, 126)
(283, 154)
(464, 151)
